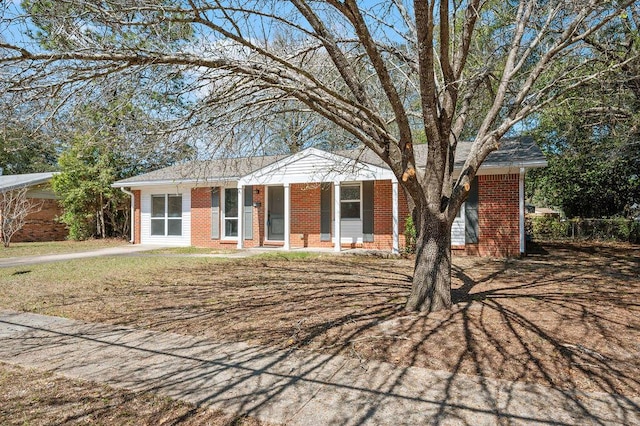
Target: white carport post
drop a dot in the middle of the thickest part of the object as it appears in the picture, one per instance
(336, 216)
(287, 217)
(133, 214)
(240, 216)
(523, 243)
(394, 215)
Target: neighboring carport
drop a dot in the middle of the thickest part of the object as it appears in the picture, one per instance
(41, 224)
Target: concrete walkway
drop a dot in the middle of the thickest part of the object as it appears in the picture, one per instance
(47, 258)
(292, 388)
(140, 249)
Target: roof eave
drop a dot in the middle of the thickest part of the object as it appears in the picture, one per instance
(529, 164)
(26, 184)
(165, 182)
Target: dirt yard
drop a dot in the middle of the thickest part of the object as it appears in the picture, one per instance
(30, 397)
(567, 316)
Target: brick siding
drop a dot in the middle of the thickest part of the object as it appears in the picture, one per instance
(498, 216)
(42, 225)
(383, 216)
(201, 220)
(305, 216)
(497, 210)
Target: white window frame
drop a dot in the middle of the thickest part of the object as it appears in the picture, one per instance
(359, 200)
(223, 211)
(166, 218)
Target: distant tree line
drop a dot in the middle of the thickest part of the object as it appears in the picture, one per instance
(591, 136)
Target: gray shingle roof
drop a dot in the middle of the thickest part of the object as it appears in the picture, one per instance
(512, 153)
(205, 171)
(11, 182)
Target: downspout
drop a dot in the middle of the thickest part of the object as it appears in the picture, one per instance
(130, 194)
(395, 248)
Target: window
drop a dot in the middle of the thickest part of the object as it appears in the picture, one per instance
(166, 214)
(230, 212)
(350, 201)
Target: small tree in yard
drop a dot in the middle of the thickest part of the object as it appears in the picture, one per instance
(15, 206)
(86, 195)
(389, 71)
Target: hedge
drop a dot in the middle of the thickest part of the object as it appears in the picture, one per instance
(553, 228)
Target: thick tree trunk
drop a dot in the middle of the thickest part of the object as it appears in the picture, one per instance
(431, 289)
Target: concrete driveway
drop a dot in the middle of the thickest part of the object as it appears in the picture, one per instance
(110, 251)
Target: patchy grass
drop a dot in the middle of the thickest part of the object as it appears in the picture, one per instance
(31, 397)
(287, 255)
(190, 250)
(56, 247)
(567, 316)
(70, 288)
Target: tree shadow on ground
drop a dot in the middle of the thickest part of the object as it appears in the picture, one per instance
(559, 326)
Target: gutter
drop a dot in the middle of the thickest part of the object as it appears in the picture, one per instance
(133, 221)
(510, 165)
(173, 182)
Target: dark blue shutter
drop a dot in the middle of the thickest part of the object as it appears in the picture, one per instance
(471, 231)
(367, 211)
(325, 212)
(215, 213)
(247, 225)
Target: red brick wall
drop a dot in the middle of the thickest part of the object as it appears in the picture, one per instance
(383, 216)
(136, 216)
(305, 216)
(201, 220)
(498, 213)
(42, 225)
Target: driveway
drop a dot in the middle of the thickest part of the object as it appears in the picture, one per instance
(110, 251)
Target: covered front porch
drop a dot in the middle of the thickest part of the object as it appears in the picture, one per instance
(339, 214)
(323, 199)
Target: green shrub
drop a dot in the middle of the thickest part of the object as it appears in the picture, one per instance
(409, 235)
(549, 228)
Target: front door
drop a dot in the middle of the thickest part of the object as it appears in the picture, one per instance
(275, 213)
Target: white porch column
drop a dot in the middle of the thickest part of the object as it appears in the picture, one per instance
(394, 215)
(336, 216)
(523, 243)
(287, 217)
(240, 216)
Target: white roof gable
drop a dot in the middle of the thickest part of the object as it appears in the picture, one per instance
(314, 166)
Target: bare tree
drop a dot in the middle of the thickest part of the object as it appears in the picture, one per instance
(15, 206)
(394, 68)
